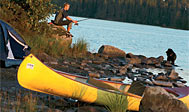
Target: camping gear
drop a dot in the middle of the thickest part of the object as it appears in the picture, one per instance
(34, 75)
(13, 48)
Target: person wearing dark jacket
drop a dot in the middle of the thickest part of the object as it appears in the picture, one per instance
(64, 14)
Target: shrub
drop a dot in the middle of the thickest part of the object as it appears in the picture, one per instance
(27, 15)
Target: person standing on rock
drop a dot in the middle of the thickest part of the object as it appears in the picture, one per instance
(64, 14)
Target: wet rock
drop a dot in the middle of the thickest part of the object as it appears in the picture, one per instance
(152, 61)
(95, 75)
(158, 65)
(173, 75)
(166, 64)
(141, 79)
(178, 84)
(90, 61)
(106, 67)
(66, 62)
(143, 59)
(111, 51)
(101, 72)
(114, 71)
(160, 59)
(161, 76)
(160, 101)
(92, 68)
(86, 69)
(72, 63)
(162, 83)
(99, 67)
(149, 82)
(122, 70)
(96, 62)
(83, 64)
(130, 55)
(118, 79)
(82, 68)
(134, 60)
(181, 80)
(138, 65)
(129, 69)
(71, 110)
(141, 71)
(130, 76)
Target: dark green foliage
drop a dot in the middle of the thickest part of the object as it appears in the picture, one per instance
(27, 16)
(166, 13)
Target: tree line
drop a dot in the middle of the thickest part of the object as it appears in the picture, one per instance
(165, 13)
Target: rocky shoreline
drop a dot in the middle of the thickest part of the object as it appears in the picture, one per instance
(109, 63)
(114, 64)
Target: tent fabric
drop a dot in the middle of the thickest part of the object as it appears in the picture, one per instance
(13, 48)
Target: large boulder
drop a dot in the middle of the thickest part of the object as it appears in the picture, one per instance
(59, 33)
(111, 51)
(157, 99)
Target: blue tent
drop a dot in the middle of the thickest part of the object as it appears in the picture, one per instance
(13, 48)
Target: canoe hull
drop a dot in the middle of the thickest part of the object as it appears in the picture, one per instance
(34, 75)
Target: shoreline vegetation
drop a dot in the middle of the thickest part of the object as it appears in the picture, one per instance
(28, 17)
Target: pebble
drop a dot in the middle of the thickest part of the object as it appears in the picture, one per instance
(83, 64)
(86, 69)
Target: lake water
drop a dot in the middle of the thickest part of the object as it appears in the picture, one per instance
(151, 41)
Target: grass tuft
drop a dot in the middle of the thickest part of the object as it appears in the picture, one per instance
(116, 103)
(79, 92)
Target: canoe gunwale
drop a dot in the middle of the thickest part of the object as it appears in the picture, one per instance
(116, 92)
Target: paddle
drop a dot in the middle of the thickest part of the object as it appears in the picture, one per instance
(135, 89)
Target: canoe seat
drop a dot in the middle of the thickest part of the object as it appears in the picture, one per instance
(100, 84)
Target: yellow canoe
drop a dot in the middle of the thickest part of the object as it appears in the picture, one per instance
(34, 75)
(182, 93)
